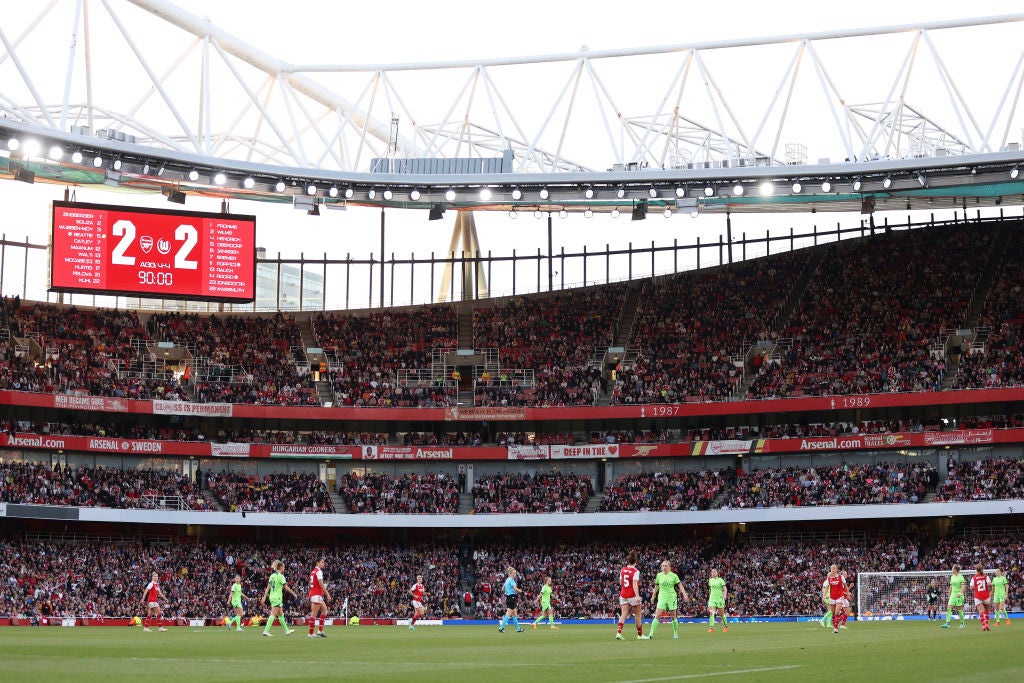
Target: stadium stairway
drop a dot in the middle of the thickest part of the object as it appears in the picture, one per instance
(338, 502)
(465, 503)
(594, 502)
(627, 316)
(212, 500)
(466, 325)
(324, 390)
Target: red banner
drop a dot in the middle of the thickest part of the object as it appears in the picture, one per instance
(849, 442)
(654, 411)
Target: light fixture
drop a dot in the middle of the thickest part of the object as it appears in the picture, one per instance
(857, 184)
(388, 194)
(280, 186)
(887, 183)
(797, 187)
(333, 192)
(922, 179)
(76, 157)
(371, 193)
(694, 212)
(680, 192)
(708, 190)
(193, 175)
(826, 186)
(145, 168)
(220, 178)
(588, 193)
(311, 189)
(30, 147)
(668, 212)
(513, 214)
(737, 190)
(56, 153)
(544, 194)
(538, 214)
(116, 164)
(589, 213)
(349, 193)
(414, 195)
(249, 182)
(562, 213)
(640, 211)
(450, 195)
(436, 213)
(175, 196)
(485, 194)
(1014, 172)
(97, 161)
(766, 188)
(620, 193)
(615, 213)
(13, 144)
(517, 194)
(160, 171)
(652, 193)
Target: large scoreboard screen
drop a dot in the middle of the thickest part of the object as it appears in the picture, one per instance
(131, 251)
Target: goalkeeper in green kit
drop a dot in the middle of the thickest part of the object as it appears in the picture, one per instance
(664, 594)
(956, 597)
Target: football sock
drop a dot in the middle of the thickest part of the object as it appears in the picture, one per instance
(949, 614)
(551, 619)
(640, 628)
(284, 622)
(619, 629)
(654, 625)
(504, 621)
(711, 620)
(538, 620)
(515, 622)
(675, 626)
(827, 618)
(414, 618)
(321, 622)
(725, 619)
(961, 613)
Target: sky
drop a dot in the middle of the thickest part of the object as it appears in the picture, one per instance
(400, 31)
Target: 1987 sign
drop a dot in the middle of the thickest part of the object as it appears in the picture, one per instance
(167, 254)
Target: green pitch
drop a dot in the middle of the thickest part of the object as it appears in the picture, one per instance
(872, 651)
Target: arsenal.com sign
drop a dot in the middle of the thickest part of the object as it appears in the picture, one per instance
(406, 453)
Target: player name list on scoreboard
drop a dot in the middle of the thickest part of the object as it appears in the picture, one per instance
(149, 252)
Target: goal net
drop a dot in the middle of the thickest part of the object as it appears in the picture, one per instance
(895, 594)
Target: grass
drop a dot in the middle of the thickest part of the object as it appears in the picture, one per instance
(871, 651)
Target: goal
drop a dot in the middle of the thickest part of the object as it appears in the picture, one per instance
(903, 594)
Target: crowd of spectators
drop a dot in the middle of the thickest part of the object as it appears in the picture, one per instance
(987, 479)
(523, 492)
(405, 494)
(690, 326)
(653, 491)
(371, 349)
(240, 359)
(867, 324)
(556, 336)
(98, 487)
(446, 439)
(848, 484)
(44, 578)
(295, 492)
(1001, 363)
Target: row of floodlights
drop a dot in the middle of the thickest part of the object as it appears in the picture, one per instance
(31, 147)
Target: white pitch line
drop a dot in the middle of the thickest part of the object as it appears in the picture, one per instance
(734, 672)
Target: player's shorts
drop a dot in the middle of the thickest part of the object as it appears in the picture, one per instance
(236, 604)
(277, 602)
(667, 605)
(956, 601)
(844, 602)
(416, 604)
(979, 601)
(836, 601)
(716, 604)
(545, 605)
(632, 602)
(511, 601)
(999, 597)
(153, 605)
(316, 599)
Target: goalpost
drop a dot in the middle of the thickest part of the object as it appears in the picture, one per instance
(899, 594)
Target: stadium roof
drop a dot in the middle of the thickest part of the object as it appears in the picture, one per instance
(150, 98)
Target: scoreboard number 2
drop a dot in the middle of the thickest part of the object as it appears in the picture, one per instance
(125, 230)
